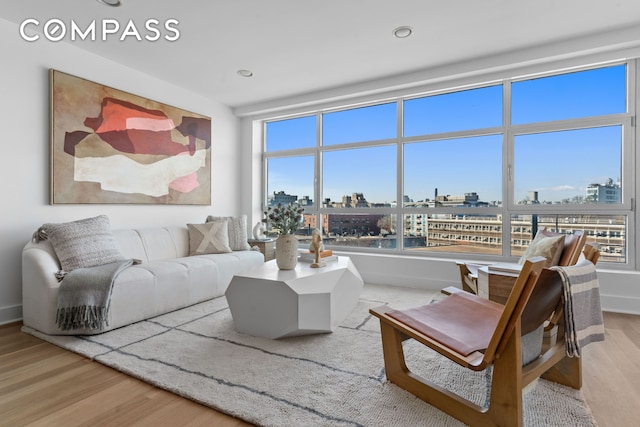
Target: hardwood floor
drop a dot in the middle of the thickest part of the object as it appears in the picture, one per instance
(43, 385)
(611, 372)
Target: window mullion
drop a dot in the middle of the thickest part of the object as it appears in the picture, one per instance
(399, 211)
(507, 168)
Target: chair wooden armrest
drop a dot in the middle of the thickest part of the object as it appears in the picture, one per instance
(469, 276)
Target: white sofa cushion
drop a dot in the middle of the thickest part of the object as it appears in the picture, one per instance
(163, 242)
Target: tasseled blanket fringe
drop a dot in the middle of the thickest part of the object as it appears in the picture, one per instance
(82, 317)
(39, 235)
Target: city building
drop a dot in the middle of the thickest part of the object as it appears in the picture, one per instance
(280, 197)
(608, 192)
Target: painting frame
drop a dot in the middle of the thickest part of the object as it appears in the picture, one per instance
(108, 146)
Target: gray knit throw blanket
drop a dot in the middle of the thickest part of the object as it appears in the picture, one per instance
(85, 294)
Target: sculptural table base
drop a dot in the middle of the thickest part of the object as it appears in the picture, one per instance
(273, 303)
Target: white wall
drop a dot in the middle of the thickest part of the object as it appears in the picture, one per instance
(24, 163)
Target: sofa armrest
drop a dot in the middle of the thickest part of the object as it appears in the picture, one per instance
(39, 285)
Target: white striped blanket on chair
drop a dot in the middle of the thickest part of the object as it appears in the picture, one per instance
(582, 310)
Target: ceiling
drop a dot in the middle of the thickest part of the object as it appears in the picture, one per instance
(295, 47)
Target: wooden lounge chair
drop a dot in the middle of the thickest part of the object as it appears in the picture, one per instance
(482, 333)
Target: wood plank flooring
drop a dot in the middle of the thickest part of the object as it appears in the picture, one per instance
(43, 385)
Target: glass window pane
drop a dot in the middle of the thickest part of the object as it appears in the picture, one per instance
(290, 180)
(359, 230)
(469, 234)
(575, 166)
(456, 111)
(360, 124)
(569, 96)
(454, 172)
(291, 133)
(359, 177)
(609, 231)
(309, 223)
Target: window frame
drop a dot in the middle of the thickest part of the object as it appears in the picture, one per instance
(509, 132)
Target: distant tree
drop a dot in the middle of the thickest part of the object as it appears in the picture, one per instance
(578, 199)
(387, 225)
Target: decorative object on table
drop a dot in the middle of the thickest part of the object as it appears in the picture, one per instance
(287, 252)
(110, 146)
(258, 231)
(285, 220)
(316, 247)
(325, 256)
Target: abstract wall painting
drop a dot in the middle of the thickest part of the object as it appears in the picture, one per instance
(109, 146)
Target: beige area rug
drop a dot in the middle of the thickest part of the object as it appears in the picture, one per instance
(332, 379)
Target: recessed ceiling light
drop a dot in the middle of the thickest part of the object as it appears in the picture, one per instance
(403, 32)
(114, 3)
(245, 73)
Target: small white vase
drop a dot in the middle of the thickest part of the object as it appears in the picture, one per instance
(287, 252)
(258, 231)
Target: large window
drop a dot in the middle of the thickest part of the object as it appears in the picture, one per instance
(478, 170)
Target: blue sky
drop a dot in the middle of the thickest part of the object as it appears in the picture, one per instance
(557, 164)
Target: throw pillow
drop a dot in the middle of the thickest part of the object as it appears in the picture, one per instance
(83, 243)
(549, 247)
(238, 235)
(209, 238)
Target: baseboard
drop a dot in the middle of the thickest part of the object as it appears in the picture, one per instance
(406, 281)
(10, 314)
(618, 304)
(405, 271)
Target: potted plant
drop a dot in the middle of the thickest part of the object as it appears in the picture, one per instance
(285, 220)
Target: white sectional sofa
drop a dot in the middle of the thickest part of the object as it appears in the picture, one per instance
(166, 279)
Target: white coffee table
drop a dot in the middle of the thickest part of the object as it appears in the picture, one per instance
(272, 303)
